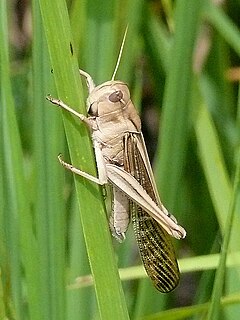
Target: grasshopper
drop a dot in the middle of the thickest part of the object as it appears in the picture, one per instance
(122, 161)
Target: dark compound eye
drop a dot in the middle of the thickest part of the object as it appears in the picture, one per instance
(92, 111)
(116, 96)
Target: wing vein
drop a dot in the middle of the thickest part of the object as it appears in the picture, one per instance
(155, 246)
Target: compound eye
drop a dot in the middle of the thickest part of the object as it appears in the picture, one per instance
(116, 96)
(93, 109)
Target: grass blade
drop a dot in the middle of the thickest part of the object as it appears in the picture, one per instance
(21, 243)
(97, 235)
(214, 310)
(176, 102)
(223, 25)
(49, 204)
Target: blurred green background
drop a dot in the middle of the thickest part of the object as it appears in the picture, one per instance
(181, 62)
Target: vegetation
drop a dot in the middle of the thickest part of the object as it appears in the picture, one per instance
(57, 257)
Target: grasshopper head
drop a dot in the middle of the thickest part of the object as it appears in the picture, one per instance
(108, 97)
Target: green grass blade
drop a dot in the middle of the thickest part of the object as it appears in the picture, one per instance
(215, 171)
(78, 23)
(176, 102)
(214, 310)
(189, 311)
(79, 302)
(10, 138)
(221, 193)
(186, 265)
(131, 14)
(223, 25)
(157, 42)
(49, 203)
(101, 28)
(21, 243)
(3, 314)
(97, 237)
(213, 163)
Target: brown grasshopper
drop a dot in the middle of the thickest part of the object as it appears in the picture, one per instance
(122, 161)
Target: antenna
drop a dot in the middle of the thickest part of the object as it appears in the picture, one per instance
(120, 53)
